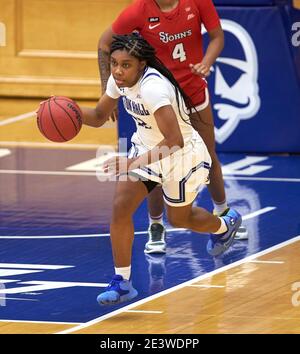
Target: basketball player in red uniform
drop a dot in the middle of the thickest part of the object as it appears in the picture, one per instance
(173, 28)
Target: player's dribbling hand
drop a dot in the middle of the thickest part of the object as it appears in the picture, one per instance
(116, 165)
(42, 103)
(200, 69)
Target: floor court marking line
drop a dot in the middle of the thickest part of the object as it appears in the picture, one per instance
(258, 212)
(180, 286)
(54, 237)
(34, 266)
(245, 217)
(145, 311)
(48, 173)
(17, 298)
(4, 152)
(77, 236)
(206, 286)
(42, 322)
(65, 283)
(267, 262)
(264, 179)
(5, 281)
(55, 145)
(17, 118)
(64, 173)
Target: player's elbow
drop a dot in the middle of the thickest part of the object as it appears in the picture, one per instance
(222, 41)
(217, 35)
(98, 123)
(103, 45)
(100, 119)
(105, 40)
(99, 43)
(181, 142)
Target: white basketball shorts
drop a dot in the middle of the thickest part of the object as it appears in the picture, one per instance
(180, 174)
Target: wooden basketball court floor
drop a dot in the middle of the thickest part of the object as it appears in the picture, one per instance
(55, 253)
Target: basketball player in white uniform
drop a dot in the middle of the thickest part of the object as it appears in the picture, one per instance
(165, 150)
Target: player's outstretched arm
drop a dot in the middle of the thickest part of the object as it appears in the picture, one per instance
(104, 63)
(215, 47)
(96, 117)
(103, 56)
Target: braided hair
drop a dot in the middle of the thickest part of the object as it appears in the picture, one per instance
(139, 48)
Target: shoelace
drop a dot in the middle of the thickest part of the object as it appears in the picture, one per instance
(112, 283)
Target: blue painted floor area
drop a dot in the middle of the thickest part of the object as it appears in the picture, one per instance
(58, 279)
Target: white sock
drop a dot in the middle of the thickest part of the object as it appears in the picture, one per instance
(124, 271)
(219, 208)
(156, 219)
(223, 228)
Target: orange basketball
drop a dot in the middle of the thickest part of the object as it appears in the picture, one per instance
(59, 119)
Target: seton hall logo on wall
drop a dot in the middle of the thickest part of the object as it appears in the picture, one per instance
(238, 101)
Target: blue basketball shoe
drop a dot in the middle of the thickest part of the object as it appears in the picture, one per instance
(117, 291)
(218, 244)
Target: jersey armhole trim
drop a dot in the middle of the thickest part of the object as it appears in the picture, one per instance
(150, 74)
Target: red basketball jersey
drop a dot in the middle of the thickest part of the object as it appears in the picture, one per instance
(176, 36)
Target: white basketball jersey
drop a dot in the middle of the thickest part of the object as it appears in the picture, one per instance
(151, 92)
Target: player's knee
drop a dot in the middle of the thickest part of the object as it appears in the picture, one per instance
(176, 221)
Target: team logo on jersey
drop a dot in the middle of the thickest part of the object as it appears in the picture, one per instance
(153, 19)
(240, 100)
(168, 37)
(135, 107)
(153, 26)
(190, 16)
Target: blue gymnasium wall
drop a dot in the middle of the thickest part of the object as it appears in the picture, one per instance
(255, 83)
(255, 87)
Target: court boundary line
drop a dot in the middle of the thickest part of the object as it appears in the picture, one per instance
(48, 173)
(17, 118)
(180, 286)
(44, 322)
(17, 298)
(56, 145)
(267, 262)
(263, 179)
(245, 217)
(145, 311)
(94, 174)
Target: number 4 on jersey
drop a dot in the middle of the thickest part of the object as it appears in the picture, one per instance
(178, 52)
